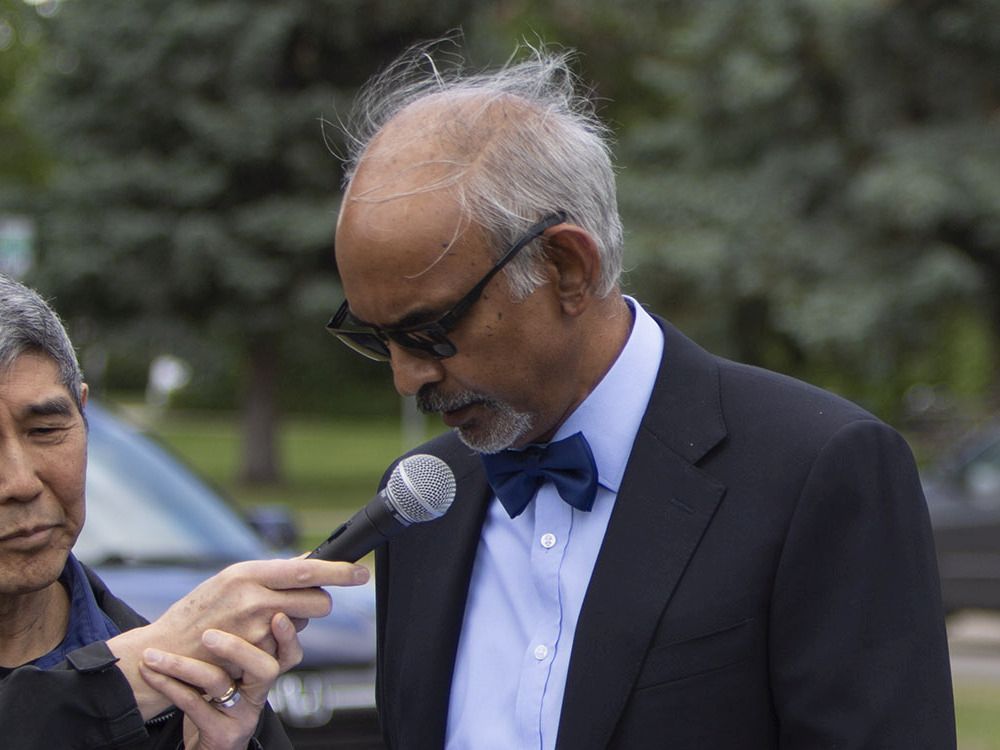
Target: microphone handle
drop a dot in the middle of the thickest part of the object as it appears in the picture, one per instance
(361, 533)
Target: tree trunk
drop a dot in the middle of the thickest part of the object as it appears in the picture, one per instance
(259, 461)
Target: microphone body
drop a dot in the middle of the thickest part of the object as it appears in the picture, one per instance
(374, 524)
(420, 488)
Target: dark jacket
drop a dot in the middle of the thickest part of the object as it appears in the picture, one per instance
(767, 581)
(86, 702)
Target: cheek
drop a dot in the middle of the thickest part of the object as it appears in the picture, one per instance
(506, 373)
(67, 481)
(509, 351)
(75, 507)
(76, 514)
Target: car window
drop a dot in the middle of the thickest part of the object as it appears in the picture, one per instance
(982, 476)
(145, 506)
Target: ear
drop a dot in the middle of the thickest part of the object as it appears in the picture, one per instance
(83, 394)
(576, 265)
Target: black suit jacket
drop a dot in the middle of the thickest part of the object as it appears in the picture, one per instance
(767, 580)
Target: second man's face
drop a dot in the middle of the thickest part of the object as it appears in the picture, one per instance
(43, 462)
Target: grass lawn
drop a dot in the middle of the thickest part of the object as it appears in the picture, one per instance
(334, 468)
(977, 711)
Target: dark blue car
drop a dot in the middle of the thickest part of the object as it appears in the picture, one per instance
(154, 531)
(963, 494)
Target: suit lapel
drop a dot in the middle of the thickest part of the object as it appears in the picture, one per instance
(664, 505)
(430, 568)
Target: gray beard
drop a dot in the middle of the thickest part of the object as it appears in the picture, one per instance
(500, 432)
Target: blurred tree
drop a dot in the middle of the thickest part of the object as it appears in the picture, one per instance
(812, 185)
(194, 204)
(22, 161)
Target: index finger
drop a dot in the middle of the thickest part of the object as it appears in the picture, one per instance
(300, 573)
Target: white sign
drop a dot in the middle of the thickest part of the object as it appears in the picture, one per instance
(17, 245)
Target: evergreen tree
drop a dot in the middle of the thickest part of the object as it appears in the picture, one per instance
(22, 161)
(812, 185)
(195, 201)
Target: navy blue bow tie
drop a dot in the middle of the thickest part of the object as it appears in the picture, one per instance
(569, 464)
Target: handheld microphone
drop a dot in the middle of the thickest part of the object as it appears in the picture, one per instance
(420, 488)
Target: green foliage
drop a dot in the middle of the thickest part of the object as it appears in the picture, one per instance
(174, 154)
(812, 185)
(22, 161)
(192, 208)
(809, 185)
(196, 194)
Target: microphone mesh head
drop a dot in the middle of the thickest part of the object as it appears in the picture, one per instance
(421, 488)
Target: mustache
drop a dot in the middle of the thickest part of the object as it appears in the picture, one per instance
(430, 401)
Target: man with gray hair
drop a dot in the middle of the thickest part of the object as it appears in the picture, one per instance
(650, 546)
(78, 668)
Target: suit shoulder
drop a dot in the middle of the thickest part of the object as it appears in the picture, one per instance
(780, 397)
(768, 409)
(703, 402)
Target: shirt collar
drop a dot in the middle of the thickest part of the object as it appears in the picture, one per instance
(87, 621)
(611, 414)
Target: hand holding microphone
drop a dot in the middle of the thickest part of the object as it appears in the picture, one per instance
(420, 488)
(242, 599)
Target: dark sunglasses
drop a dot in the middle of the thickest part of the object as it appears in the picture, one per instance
(430, 338)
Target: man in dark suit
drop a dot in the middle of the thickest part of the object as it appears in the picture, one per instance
(650, 546)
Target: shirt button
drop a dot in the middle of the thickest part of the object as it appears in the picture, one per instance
(541, 652)
(548, 541)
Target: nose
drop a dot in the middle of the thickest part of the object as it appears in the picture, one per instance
(411, 371)
(19, 481)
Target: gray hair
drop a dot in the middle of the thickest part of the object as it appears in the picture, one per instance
(28, 324)
(550, 153)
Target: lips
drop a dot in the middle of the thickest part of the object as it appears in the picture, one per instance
(26, 536)
(456, 417)
(431, 401)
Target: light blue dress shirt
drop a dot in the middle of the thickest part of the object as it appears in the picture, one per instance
(531, 573)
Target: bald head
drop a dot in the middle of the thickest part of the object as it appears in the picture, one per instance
(506, 147)
(440, 142)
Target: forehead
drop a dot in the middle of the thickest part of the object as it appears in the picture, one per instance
(30, 379)
(414, 253)
(403, 243)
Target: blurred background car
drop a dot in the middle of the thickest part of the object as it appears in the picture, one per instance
(155, 530)
(963, 495)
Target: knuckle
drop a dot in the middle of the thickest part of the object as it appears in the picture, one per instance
(268, 644)
(239, 574)
(271, 671)
(239, 568)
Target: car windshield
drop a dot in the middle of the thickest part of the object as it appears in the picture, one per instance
(143, 506)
